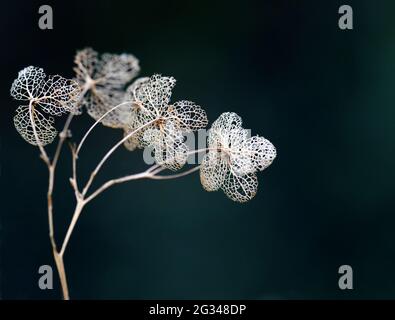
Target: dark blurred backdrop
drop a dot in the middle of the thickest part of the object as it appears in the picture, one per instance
(323, 96)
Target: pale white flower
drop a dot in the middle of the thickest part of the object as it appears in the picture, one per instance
(167, 122)
(54, 95)
(105, 77)
(234, 158)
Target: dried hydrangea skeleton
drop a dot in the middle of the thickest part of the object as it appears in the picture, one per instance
(233, 159)
(148, 118)
(105, 77)
(54, 95)
(151, 103)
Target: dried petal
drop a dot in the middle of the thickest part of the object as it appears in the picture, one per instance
(189, 116)
(46, 133)
(58, 95)
(213, 171)
(28, 85)
(226, 131)
(98, 102)
(256, 153)
(227, 121)
(240, 188)
(55, 96)
(116, 71)
(86, 61)
(170, 151)
(153, 94)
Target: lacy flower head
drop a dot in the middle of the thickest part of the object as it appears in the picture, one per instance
(104, 78)
(53, 95)
(233, 159)
(163, 123)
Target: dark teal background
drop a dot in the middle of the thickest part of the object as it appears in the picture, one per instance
(323, 96)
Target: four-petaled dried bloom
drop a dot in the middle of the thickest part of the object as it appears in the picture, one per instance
(234, 158)
(104, 78)
(54, 95)
(163, 123)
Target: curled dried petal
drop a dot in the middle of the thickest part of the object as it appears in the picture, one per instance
(45, 130)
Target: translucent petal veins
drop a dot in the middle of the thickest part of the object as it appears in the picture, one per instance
(134, 88)
(46, 133)
(28, 85)
(257, 153)
(117, 70)
(98, 102)
(170, 151)
(213, 171)
(227, 121)
(54, 95)
(58, 95)
(86, 61)
(188, 115)
(234, 158)
(151, 103)
(153, 93)
(240, 188)
(106, 77)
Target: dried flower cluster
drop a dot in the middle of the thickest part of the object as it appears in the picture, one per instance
(233, 158)
(144, 111)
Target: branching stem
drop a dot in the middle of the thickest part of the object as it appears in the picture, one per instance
(81, 198)
(96, 123)
(109, 153)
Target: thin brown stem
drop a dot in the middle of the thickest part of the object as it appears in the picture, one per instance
(77, 212)
(43, 153)
(73, 180)
(51, 165)
(105, 186)
(109, 153)
(96, 123)
(51, 177)
(175, 176)
(64, 133)
(62, 138)
(151, 173)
